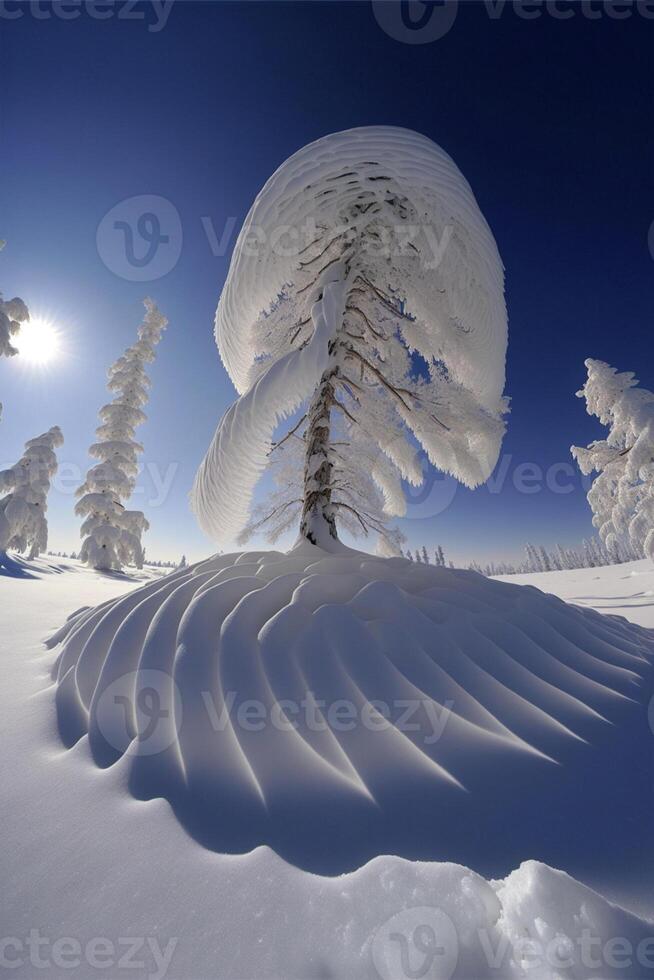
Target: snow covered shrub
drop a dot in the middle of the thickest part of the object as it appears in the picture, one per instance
(13, 312)
(112, 534)
(23, 523)
(622, 496)
(385, 331)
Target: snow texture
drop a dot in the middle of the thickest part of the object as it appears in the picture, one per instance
(23, 522)
(121, 868)
(112, 534)
(400, 253)
(341, 706)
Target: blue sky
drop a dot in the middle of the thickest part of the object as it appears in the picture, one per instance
(550, 119)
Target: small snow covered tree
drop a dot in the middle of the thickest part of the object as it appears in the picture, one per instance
(112, 534)
(622, 496)
(23, 523)
(385, 331)
(13, 312)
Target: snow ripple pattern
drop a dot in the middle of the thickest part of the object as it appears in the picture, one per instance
(504, 675)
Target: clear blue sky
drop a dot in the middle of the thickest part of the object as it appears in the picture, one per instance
(551, 121)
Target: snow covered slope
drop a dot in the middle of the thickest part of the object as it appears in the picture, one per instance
(82, 859)
(619, 590)
(337, 707)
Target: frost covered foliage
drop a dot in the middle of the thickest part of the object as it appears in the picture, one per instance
(365, 295)
(112, 534)
(13, 312)
(622, 496)
(23, 523)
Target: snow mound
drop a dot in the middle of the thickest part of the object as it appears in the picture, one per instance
(338, 706)
(444, 921)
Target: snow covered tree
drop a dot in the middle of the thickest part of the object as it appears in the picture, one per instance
(112, 534)
(23, 523)
(13, 312)
(622, 496)
(386, 331)
(425, 556)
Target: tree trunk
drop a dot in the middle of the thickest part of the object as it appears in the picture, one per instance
(318, 523)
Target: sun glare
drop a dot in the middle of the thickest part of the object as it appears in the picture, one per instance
(39, 341)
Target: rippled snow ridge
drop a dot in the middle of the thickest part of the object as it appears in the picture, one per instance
(336, 707)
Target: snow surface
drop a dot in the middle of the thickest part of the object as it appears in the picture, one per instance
(82, 858)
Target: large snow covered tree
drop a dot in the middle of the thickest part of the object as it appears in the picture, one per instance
(23, 523)
(365, 295)
(112, 534)
(622, 496)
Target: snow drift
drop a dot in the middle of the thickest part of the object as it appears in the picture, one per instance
(341, 706)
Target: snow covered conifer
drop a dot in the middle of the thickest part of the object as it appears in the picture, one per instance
(112, 534)
(386, 329)
(13, 312)
(622, 496)
(23, 523)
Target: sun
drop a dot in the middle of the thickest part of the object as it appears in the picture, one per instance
(38, 342)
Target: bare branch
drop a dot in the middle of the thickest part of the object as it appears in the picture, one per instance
(344, 410)
(337, 503)
(288, 435)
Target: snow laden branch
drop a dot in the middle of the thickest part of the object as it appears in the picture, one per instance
(622, 496)
(380, 329)
(23, 523)
(112, 534)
